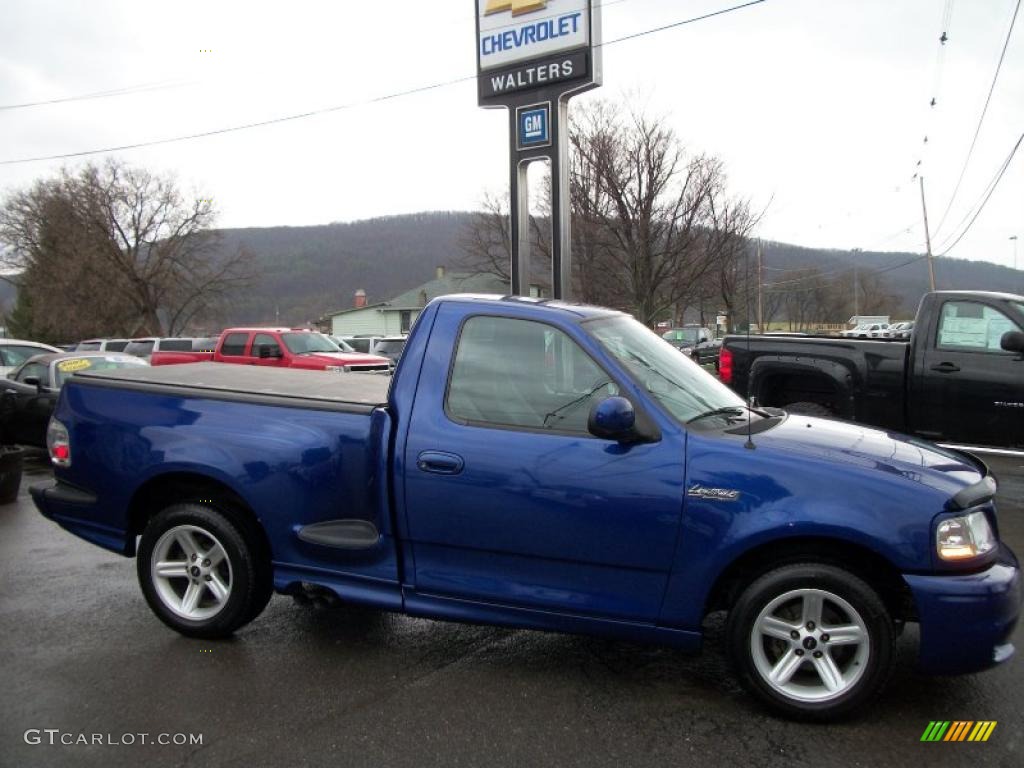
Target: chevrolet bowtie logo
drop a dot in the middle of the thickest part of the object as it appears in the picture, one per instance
(518, 7)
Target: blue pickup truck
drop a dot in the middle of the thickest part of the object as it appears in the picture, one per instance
(542, 465)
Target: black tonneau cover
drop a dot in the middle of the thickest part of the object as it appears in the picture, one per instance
(249, 383)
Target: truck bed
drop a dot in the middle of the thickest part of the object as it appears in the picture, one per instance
(353, 392)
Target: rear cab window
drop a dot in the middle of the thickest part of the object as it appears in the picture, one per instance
(175, 345)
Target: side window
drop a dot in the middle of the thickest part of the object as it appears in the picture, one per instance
(360, 345)
(15, 355)
(264, 340)
(519, 373)
(33, 369)
(234, 344)
(967, 326)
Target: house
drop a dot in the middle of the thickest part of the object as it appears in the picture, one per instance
(394, 317)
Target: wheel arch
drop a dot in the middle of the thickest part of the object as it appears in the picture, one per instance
(822, 381)
(176, 487)
(859, 560)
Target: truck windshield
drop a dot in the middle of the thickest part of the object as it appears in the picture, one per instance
(674, 380)
(308, 343)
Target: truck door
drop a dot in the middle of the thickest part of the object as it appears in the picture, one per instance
(274, 358)
(968, 389)
(509, 500)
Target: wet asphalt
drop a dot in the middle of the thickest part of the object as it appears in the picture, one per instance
(344, 686)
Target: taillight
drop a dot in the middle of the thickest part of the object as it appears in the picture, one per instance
(725, 365)
(58, 443)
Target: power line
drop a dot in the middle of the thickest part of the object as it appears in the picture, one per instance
(145, 87)
(340, 107)
(126, 91)
(991, 188)
(981, 119)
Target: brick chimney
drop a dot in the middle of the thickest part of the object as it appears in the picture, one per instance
(360, 299)
(439, 272)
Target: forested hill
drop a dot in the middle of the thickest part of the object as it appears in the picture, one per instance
(307, 271)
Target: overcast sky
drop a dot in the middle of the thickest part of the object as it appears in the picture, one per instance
(818, 107)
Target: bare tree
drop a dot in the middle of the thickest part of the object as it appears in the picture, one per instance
(650, 223)
(136, 246)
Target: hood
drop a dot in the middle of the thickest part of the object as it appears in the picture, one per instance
(867, 448)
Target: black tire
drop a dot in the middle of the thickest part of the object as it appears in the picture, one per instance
(807, 408)
(863, 668)
(244, 570)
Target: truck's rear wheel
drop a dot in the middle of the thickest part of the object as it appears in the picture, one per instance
(200, 572)
(811, 641)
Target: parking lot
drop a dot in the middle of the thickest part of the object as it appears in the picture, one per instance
(347, 686)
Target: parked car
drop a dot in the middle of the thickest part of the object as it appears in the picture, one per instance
(549, 466)
(142, 347)
(960, 380)
(363, 344)
(390, 347)
(146, 348)
(14, 352)
(905, 331)
(695, 342)
(278, 348)
(30, 391)
(102, 345)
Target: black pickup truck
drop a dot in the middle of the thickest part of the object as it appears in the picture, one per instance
(960, 378)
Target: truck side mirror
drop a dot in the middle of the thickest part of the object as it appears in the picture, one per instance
(1013, 341)
(612, 419)
(33, 381)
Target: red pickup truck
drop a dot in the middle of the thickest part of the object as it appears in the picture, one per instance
(278, 348)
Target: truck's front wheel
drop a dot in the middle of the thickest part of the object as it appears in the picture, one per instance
(199, 572)
(811, 641)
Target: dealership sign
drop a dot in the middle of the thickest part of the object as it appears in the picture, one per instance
(532, 57)
(523, 45)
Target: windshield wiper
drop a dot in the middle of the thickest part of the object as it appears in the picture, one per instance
(733, 409)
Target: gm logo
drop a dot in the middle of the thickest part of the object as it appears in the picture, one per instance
(518, 7)
(533, 126)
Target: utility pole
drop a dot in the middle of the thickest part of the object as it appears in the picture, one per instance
(927, 237)
(761, 282)
(1016, 277)
(856, 294)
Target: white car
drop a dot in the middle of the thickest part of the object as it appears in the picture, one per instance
(14, 352)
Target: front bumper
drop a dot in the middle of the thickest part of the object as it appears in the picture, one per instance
(967, 621)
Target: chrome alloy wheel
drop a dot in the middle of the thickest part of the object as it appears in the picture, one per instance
(191, 572)
(810, 645)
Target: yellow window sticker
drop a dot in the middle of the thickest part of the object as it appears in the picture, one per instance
(71, 366)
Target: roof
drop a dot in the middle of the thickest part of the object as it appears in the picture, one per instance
(584, 311)
(452, 282)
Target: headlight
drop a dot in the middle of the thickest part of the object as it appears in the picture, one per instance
(960, 538)
(335, 368)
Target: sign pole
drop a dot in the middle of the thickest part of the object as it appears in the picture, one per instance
(533, 56)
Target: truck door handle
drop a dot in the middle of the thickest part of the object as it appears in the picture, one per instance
(946, 367)
(439, 462)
